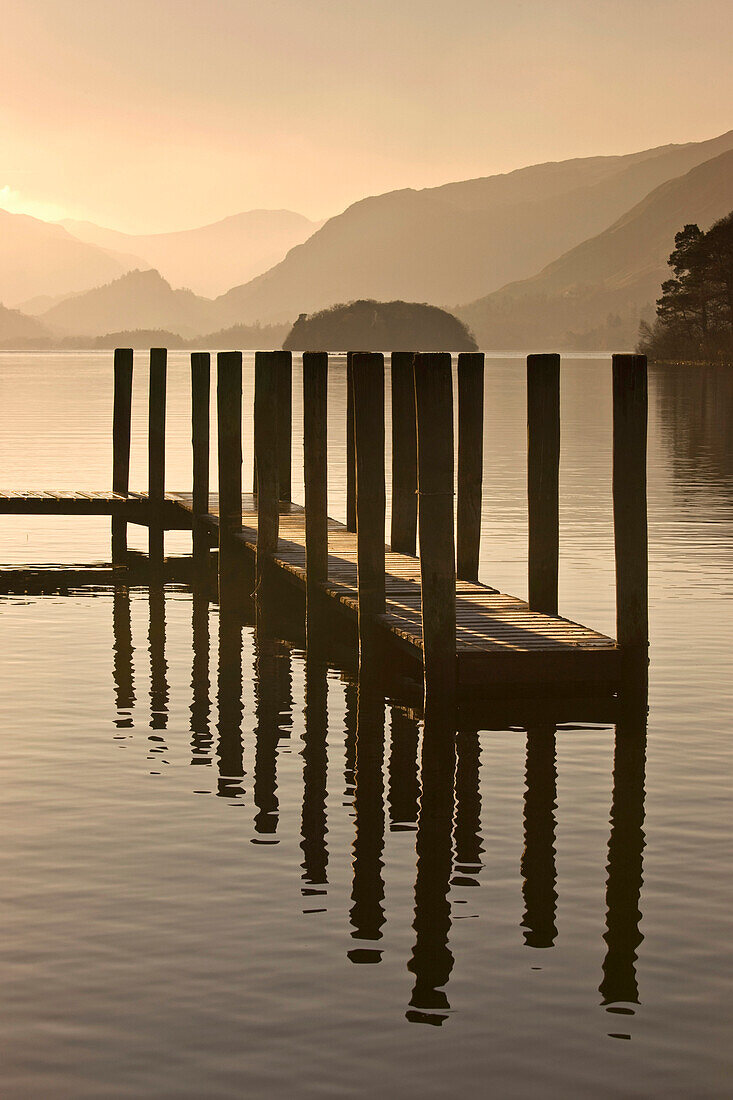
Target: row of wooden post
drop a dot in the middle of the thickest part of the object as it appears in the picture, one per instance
(422, 478)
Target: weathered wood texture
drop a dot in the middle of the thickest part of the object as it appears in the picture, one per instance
(403, 535)
(630, 500)
(499, 641)
(350, 454)
(434, 404)
(315, 473)
(470, 463)
(284, 361)
(121, 423)
(543, 466)
(229, 415)
(156, 454)
(268, 366)
(130, 507)
(368, 380)
(200, 432)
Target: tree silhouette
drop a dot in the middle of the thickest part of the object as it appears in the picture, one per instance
(695, 311)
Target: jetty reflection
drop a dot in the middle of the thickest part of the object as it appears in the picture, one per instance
(401, 775)
(201, 736)
(314, 826)
(539, 874)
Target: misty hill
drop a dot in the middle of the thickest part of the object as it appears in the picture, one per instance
(240, 337)
(138, 300)
(243, 337)
(212, 258)
(380, 326)
(595, 294)
(461, 240)
(37, 258)
(17, 330)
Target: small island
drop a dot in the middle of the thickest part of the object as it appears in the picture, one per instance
(380, 326)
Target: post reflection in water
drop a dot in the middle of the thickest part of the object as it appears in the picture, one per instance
(404, 784)
(315, 777)
(350, 701)
(158, 672)
(432, 959)
(367, 895)
(273, 703)
(539, 872)
(467, 831)
(438, 795)
(625, 863)
(201, 738)
(229, 697)
(123, 649)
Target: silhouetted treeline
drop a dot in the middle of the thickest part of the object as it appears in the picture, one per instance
(695, 312)
(380, 326)
(241, 337)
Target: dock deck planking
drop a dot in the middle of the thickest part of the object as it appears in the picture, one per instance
(498, 637)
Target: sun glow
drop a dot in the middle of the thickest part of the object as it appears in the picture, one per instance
(16, 203)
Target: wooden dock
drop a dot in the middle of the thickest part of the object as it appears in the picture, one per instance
(498, 637)
(465, 635)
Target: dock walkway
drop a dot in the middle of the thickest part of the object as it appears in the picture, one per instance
(498, 637)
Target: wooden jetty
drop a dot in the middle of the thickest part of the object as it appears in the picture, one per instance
(427, 607)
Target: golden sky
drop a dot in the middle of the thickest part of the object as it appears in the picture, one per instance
(153, 115)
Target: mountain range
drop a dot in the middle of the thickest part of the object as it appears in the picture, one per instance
(39, 258)
(460, 241)
(44, 262)
(212, 258)
(568, 254)
(596, 293)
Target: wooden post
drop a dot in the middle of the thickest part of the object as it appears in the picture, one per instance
(470, 463)
(350, 455)
(200, 390)
(434, 406)
(629, 502)
(156, 457)
(367, 370)
(121, 419)
(404, 455)
(543, 466)
(229, 414)
(315, 472)
(284, 368)
(268, 366)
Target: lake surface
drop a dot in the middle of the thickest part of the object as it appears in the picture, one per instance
(211, 887)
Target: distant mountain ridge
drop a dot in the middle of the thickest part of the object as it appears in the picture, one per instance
(211, 258)
(39, 258)
(595, 294)
(136, 300)
(17, 329)
(590, 292)
(459, 241)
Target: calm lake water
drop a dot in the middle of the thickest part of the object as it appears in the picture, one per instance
(205, 893)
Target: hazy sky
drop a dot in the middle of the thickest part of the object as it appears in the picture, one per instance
(161, 114)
